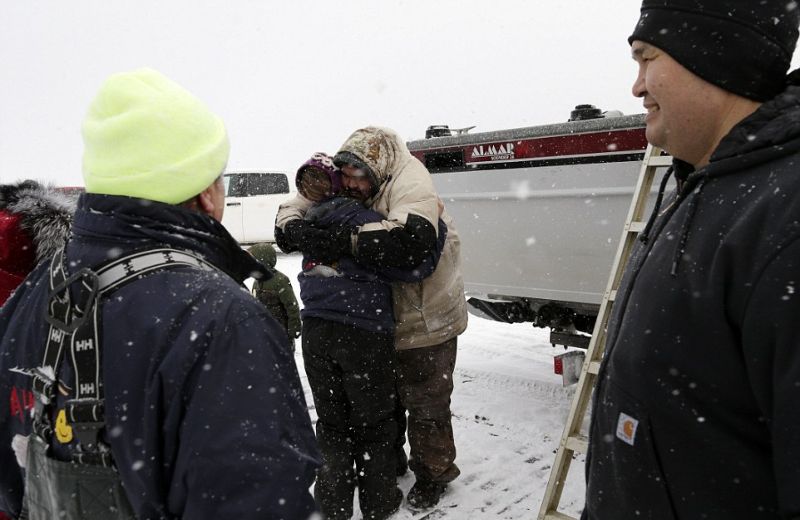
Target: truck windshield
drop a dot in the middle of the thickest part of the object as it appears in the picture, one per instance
(267, 184)
(253, 184)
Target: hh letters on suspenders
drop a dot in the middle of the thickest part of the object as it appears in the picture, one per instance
(53, 488)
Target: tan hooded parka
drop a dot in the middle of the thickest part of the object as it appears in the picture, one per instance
(434, 310)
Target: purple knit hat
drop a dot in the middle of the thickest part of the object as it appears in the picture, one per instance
(324, 162)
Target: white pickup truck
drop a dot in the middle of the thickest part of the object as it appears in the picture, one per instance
(540, 211)
(251, 203)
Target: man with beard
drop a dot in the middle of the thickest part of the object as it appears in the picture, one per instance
(348, 354)
(378, 169)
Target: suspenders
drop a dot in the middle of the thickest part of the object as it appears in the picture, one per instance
(73, 314)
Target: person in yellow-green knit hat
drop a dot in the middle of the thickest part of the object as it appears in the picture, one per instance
(163, 389)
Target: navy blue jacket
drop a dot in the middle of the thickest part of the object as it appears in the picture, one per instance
(205, 414)
(361, 296)
(696, 411)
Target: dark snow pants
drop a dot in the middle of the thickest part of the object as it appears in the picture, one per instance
(351, 374)
(425, 383)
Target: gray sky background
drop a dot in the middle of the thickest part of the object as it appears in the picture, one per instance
(290, 78)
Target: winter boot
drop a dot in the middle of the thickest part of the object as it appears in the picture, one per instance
(425, 494)
(391, 507)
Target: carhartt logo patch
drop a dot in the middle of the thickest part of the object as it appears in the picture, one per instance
(626, 428)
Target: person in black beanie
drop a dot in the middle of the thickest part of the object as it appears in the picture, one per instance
(695, 408)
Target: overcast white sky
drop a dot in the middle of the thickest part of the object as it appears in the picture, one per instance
(293, 77)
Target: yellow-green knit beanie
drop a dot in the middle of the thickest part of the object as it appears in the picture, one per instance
(147, 137)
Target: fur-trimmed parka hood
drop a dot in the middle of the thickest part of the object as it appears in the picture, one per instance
(45, 213)
(34, 223)
(380, 149)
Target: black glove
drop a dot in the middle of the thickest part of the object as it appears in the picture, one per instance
(325, 245)
(282, 242)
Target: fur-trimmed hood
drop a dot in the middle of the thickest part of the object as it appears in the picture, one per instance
(380, 149)
(45, 213)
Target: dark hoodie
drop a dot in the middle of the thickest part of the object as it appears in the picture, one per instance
(696, 406)
(205, 414)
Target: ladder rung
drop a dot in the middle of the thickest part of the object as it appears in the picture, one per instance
(637, 226)
(660, 160)
(555, 515)
(578, 443)
(594, 367)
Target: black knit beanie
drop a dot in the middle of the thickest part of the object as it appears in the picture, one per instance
(742, 46)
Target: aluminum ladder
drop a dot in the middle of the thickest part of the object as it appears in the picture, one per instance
(572, 440)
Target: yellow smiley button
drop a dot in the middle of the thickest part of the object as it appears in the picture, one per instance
(63, 429)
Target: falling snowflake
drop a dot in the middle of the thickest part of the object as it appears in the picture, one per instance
(522, 190)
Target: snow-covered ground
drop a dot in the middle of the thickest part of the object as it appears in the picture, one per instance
(508, 414)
